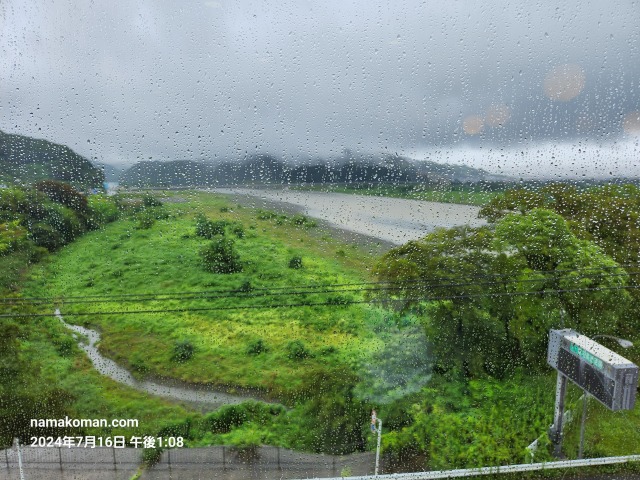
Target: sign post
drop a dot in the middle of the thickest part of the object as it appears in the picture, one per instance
(608, 377)
(555, 432)
(585, 398)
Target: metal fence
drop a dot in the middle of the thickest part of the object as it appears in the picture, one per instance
(224, 463)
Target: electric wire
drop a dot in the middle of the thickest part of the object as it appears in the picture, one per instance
(315, 304)
(239, 293)
(244, 295)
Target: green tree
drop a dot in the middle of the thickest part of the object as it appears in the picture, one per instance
(488, 297)
(335, 419)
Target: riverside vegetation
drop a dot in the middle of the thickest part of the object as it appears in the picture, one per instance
(475, 393)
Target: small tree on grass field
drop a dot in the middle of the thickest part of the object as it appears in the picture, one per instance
(220, 256)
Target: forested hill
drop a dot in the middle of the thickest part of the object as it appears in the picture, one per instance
(265, 169)
(25, 160)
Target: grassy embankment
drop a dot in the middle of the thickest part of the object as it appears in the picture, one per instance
(461, 194)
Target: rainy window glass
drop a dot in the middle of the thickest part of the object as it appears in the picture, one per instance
(318, 239)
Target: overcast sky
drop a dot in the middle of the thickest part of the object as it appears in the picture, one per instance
(544, 88)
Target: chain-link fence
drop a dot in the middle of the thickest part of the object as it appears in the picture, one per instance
(226, 463)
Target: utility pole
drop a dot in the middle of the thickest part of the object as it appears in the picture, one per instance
(378, 448)
(17, 443)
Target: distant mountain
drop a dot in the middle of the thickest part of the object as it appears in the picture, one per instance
(266, 170)
(177, 173)
(111, 172)
(456, 173)
(25, 160)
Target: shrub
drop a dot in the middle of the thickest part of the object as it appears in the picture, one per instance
(266, 214)
(303, 221)
(182, 351)
(208, 228)
(159, 213)
(299, 219)
(330, 350)
(101, 211)
(63, 193)
(238, 230)
(257, 347)
(45, 236)
(12, 237)
(228, 417)
(295, 262)
(246, 287)
(65, 346)
(151, 201)
(35, 253)
(220, 256)
(296, 350)
(181, 429)
(146, 219)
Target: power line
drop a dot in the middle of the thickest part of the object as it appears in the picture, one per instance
(316, 304)
(239, 293)
(243, 294)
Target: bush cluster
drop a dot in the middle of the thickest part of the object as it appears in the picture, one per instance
(295, 262)
(280, 219)
(257, 347)
(296, 350)
(49, 215)
(183, 350)
(220, 256)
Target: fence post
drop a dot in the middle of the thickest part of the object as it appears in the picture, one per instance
(224, 463)
(279, 467)
(113, 451)
(6, 457)
(169, 460)
(333, 465)
(60, 458)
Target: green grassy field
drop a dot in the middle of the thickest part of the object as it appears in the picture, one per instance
(164, 259)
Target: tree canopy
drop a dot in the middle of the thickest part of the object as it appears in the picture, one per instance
(488, 296)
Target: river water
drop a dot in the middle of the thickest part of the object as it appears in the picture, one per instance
(392, 220)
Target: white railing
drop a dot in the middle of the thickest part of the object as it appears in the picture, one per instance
(472, 472)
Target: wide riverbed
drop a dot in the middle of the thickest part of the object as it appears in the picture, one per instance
(393, 220)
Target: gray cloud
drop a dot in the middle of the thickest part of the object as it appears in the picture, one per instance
(123, 81)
